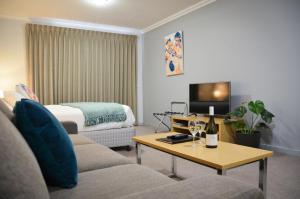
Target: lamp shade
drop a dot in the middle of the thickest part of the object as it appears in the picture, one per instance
(1, 94)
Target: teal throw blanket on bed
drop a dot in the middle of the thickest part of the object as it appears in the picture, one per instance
(99, 112)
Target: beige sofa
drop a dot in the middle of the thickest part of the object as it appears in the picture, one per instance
(103, 174)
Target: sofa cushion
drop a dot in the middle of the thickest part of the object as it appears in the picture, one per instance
(20, 174)
(70, 126)
(7, 112)
(206, 187)
(11, 97)
(49, 141)
(80, 139)
(113, 182)
(96, 156)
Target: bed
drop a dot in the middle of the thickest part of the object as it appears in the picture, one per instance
(111, 134)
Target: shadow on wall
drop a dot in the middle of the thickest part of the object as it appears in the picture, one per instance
(236, 100)
(266, 135)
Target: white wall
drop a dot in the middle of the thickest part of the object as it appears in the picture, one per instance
(12, 53)
(254, 44)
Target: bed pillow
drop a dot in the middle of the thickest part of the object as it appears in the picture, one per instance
(49, 142)
(26, 92)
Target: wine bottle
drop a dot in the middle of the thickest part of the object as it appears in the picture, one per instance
(211, 131)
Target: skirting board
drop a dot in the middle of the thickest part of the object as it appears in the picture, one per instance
(281, 149)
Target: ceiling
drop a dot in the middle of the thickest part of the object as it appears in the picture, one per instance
(138, 14)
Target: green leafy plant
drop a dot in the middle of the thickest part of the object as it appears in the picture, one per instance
(250, 117)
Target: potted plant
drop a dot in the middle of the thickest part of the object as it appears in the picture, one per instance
(248, 120)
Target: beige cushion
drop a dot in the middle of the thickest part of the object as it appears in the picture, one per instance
(7, 112)
(11, 97)
(206, 187)
(96, 156)
(11, 108)
(20, 174)
(113, 182)
(80, 139)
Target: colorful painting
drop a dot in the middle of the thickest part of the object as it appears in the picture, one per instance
(174, 54)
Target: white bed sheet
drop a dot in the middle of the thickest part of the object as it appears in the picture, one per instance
(67, 113)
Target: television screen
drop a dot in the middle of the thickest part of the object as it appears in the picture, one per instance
(210, 94)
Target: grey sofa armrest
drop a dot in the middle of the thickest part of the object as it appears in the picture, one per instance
(208, 187)
(71, 127)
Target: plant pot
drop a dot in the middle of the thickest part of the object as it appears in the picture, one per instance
(252, 140)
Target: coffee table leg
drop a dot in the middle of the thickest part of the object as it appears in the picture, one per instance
(222, 172)
(138, 153)
(174, 166)
(263, 176)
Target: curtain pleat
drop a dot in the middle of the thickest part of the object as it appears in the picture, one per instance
(72, 65)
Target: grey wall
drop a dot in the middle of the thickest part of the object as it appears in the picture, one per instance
(253, 43)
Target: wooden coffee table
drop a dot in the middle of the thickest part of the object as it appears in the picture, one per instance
(225, 156)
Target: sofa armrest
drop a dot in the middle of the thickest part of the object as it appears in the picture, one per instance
(71, 127)
(208, 187)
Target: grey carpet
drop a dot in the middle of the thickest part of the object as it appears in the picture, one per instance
(283, 170)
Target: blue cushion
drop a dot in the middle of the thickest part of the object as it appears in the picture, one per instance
(49, 142)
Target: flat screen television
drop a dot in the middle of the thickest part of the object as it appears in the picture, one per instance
(216, 94)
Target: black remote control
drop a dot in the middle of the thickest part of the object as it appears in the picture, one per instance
(177, 136)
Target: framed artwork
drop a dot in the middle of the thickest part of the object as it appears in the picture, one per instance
(174, 53)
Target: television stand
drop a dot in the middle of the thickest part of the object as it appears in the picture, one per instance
(207, 115)
(180, 124)
(216, 116)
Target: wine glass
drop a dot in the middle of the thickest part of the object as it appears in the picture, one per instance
(193, 128)
(201, 129)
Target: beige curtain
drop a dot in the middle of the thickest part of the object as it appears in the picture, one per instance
(73, 65)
